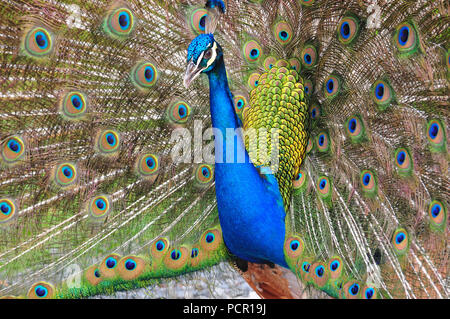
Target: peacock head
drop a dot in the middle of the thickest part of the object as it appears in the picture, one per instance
(203, 54)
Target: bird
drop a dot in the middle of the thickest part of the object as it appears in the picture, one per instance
(302, 141)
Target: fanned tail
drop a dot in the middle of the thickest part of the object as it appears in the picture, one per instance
(368, 216)
(92, 198)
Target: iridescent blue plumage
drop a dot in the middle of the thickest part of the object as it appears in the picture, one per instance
(253, 224)
(213, 3)
(198, 46)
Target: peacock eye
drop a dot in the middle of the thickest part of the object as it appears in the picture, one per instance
(208, 54)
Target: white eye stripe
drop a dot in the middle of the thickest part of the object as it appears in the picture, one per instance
(200, 58)
(213, 56)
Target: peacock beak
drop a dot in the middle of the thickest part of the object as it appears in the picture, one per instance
(192, 72)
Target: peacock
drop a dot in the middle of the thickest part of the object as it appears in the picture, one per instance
(302, 141)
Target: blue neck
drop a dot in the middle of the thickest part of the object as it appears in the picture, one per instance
(250, 207)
